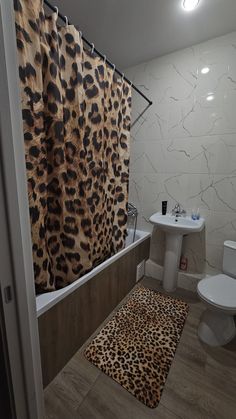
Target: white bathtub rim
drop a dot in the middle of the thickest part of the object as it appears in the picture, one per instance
(47, 300)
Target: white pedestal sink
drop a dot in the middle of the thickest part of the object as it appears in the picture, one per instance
(175, 228)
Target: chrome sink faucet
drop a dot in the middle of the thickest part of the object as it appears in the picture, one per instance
(177, 211)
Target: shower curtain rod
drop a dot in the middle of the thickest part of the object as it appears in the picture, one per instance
(55, 9)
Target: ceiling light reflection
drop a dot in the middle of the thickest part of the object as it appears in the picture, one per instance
(210, 97)
(205, 70)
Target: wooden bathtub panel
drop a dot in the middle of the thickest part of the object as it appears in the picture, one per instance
(66, 326)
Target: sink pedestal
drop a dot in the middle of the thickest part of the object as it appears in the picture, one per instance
(172, 259)
(175, 228)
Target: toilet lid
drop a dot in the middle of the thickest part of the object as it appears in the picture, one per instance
(220, 290)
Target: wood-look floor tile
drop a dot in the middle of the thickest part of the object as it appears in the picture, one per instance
(201, 383)
(192, 395)
(109, 400)
(186, 295)
(221, 370)
(67, 391)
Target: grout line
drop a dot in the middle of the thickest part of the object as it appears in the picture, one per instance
(169, 410)
(91, 388)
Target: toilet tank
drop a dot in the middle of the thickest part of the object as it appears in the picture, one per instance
(229, 258)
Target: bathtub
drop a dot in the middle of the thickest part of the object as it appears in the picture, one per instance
(45, 301)
(69, 316)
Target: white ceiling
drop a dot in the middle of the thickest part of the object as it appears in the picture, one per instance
(133, 31)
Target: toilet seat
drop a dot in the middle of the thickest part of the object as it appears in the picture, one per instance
(219, 291)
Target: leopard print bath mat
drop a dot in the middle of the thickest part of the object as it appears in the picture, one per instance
(136, 347)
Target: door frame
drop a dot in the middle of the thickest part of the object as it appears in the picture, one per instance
(16, 275)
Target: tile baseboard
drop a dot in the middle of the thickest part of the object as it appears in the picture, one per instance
(186, 280)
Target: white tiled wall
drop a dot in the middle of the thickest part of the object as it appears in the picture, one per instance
(184, 148)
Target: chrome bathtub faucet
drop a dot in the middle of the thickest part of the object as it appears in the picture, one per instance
(177, 211)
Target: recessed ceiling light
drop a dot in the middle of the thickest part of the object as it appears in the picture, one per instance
(205, 70)
(210, 97)
(190, 5)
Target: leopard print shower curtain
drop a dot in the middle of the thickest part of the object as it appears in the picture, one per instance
(76, 121)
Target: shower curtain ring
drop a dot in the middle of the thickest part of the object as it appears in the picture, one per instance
(114, 67)
(57, 10)
(66, 20)
(92, 49)
(104, 58)
(81, 34)
(123, 76)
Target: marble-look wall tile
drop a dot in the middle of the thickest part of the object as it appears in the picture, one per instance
(183, 148)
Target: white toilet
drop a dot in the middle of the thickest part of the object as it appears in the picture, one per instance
(217, 325)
